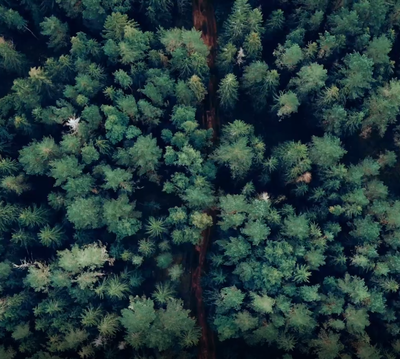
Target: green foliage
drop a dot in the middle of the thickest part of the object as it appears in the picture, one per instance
(120, 216)
(239, 148)
(262, 303)
(310, 79)
(228, 91)
(85, 213)
(16, 184)
(252, 46)
(326, 151)
(155, 227)
(230, 298)
(8, 353)
(288, 57)
(92, 256)
(90, 316)
(124, 176)
(10, 59)
(197, 87)
(242, 21)
(227, 58)
(115, 24)
(164, 260)
(33, 217)
(163, 293)
(357, 75)
(259, 83)
(12, 19)
(36, 157)
(161, 329)
(159, 87)
(123, 79)
(38, 277)
(117, 179)
(175, 272)
(256, 231)
(187, 50)
(379, 49)
(64, 168)
(288, 103)
(382, 108)
(146, 155)
(89, 154)
(8, 215)
(57, 32)
(275, 20)
(108, 325)
(293, 159)
(49, 236)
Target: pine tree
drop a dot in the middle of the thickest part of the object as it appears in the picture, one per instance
(101, 139)
(10, 58)
(228, 91)
(259, 83)
(357, 75)
(57, 32)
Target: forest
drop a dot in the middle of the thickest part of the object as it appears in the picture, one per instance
(211, 179)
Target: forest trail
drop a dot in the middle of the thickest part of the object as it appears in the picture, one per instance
(207, 343)
(204, 21)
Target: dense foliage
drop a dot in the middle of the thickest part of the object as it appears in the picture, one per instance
(110, 181)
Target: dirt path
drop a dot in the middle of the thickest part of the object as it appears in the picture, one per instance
(207, 343)
(204, 21)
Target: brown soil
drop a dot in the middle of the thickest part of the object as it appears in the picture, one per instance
(204, 21)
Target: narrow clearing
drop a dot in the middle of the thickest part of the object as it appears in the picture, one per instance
(204, 21)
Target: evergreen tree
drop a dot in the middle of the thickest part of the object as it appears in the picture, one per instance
(228, 91)
(122, 160)
(57, 32)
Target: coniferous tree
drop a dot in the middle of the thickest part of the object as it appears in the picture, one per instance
(121, 156)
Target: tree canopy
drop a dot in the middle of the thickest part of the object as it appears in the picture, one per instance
(168, 172)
